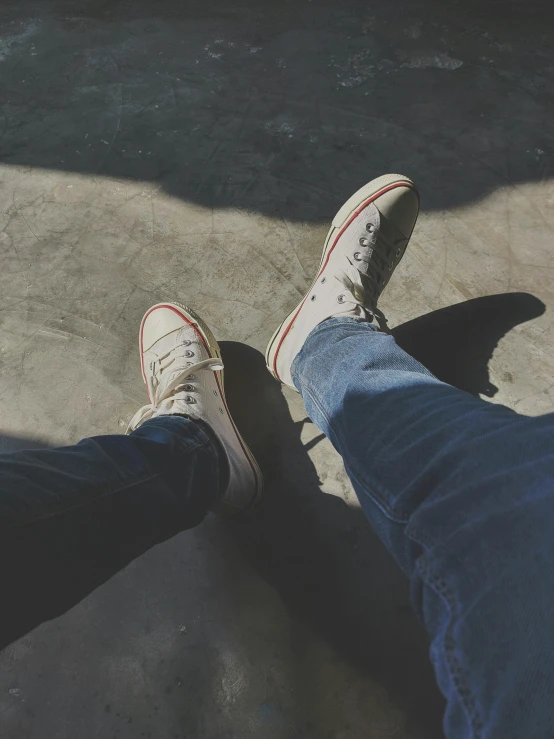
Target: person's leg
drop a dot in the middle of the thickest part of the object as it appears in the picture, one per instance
(462, 493)
(183, 457)
(160, 479)
(72, 517)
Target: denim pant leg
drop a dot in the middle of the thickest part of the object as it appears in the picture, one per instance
(462, 493)
(70, 518)
(160, 479)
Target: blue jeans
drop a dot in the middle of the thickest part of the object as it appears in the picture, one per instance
(459, 490)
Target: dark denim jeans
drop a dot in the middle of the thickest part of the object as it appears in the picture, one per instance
(460, 491)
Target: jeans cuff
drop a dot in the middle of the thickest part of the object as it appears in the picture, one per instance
(322, 327)
(191, 428)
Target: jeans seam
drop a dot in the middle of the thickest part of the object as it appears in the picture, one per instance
(398, 515)
(394, 514)
(455, 672)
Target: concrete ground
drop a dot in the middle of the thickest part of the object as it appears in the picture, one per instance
(197, 151)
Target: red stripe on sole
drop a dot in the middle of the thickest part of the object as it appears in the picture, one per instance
(207, 347)
(366, 202)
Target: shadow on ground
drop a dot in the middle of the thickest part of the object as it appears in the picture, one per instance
(317, 552)
(289, 112)
(456, 343)
(321, 554)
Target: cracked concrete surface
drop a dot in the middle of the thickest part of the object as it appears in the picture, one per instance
(198, 152)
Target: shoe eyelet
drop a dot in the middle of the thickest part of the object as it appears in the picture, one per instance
(188, 353)
(191, 377)
(323, 280)
(190, 399)
(187, 343)
(221, 410)
(358, 256)
(189, 388)
(398, 252)
(340, 299)
(364, 241)
(215, 393)
(370, 228)
(312, 298)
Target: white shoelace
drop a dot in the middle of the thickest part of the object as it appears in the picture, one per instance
(173, 391)
(351, 278)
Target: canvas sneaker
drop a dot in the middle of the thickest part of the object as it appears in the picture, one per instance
(367, 240)
(182, 368)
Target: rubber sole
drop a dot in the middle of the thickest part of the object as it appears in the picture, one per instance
(359, 200)
(213, 349)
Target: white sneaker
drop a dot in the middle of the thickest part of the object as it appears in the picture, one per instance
(366, 242)
(183, 372)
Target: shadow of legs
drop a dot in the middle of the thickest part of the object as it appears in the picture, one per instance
(456, 343)
(321, 554)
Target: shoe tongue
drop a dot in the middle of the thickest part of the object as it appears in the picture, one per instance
(390, 232)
